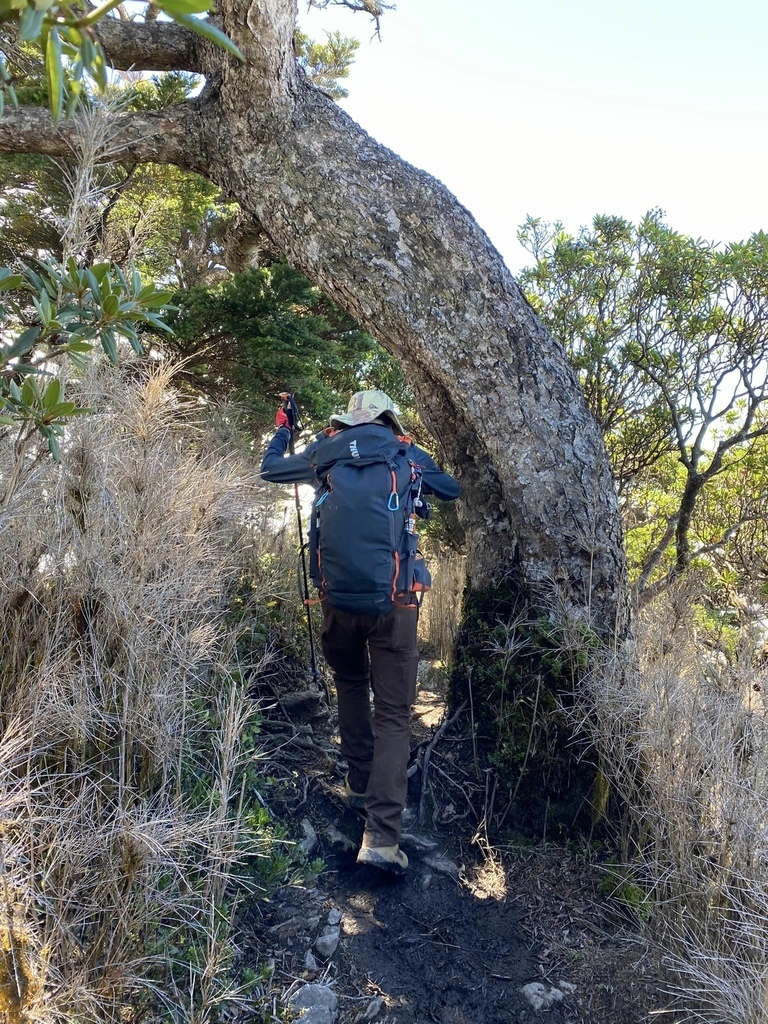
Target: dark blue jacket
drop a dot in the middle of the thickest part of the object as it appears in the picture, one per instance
(281, 469)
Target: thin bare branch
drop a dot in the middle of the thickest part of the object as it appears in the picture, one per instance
(375, 8)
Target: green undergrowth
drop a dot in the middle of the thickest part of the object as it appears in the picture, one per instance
(518, 672)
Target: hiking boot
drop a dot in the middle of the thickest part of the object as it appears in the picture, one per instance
(355, 800)
(385, 858)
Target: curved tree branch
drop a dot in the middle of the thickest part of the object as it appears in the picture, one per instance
(170, 136)
(148, 46)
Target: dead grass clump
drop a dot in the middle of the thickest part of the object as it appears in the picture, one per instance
(441, 611)
(121, 714)
(684, 740)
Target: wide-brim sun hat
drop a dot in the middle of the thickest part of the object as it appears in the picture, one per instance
(365, 407)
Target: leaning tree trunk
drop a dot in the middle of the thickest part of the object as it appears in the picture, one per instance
(391, 245)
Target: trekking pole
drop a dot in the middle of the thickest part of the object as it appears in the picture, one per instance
(292, 412)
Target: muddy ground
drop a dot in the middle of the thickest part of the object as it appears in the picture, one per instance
(459, 936)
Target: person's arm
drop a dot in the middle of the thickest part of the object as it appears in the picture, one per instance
(281, 469)
(435, 481)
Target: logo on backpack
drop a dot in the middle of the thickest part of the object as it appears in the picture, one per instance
(362, 539)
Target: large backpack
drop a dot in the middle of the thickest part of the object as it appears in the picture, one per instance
(362, 538)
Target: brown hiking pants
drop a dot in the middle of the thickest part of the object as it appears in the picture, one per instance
(375, 652)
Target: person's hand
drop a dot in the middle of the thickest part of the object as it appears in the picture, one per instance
(282, 419)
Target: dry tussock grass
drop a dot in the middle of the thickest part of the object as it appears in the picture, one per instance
(441, 611)
(685, 742)
(120, 809)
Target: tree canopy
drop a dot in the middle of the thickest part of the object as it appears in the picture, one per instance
(669, 336)
(268, 330)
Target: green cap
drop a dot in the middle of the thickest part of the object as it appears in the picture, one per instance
(365, 407)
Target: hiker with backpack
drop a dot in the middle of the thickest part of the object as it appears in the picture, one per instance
(372, 482)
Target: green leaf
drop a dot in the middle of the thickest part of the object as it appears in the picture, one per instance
(205, 28)
(9, 281)
(53, 444)
(30, 23)
(176, 7)
(123, 284)
(54, 74)
(28, 392)
(68, 409)
(101, 271)
(150, 318)
(110, 305)
(151, 299)
(52, 394)
(73, 36)
(7, 421)
(73, 270)
(88, 52)
(22, 345)
(73, 99)
(109, 345)
(59, 410)
(93, 284)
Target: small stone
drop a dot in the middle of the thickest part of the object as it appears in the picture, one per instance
(309, 842)
(439, 862)
(540, 996)
(372, 1010)
(415, 842)
(287, 912)
(312, 922)
(301, 707)
(334, 916)
(309, 961)
(426, 880)
(317, 1015)
(566, 986)
(339, 840)
(309, 996)
(327, 944)
(286, 929)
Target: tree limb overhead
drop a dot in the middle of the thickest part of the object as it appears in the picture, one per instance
(148, 46)
(168, 136)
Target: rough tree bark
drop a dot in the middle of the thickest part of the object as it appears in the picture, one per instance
(395, 248)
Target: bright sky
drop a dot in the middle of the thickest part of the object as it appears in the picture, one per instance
(566, 108)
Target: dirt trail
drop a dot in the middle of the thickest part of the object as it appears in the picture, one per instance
(459, 936)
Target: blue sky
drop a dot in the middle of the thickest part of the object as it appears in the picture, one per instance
(564, 110)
